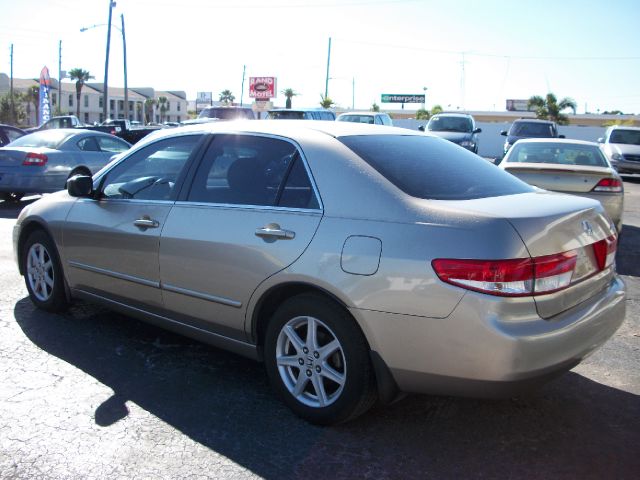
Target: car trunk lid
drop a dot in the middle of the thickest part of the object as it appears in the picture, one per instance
(550, 224)
(574, 179)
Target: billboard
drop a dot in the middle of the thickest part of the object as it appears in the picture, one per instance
(262, 87)
(204, 97)
(515, 105)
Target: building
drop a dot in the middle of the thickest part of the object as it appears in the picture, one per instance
(144, 105)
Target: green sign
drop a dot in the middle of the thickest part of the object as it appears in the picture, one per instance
(396, 98)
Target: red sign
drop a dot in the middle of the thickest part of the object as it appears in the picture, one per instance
(262, 87)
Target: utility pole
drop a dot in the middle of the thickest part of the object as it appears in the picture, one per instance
(244, 70)
(13, 107)
(462, 82)
(105, 93)
(59, 76)
(124, 54)
(326, 84)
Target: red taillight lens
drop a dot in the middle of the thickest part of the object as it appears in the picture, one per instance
(35, 159)
(608, 185)
(509, 278)
(605, 251)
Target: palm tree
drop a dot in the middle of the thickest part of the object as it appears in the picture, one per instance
(81, 77)
(227, 97)
(162, 103)
(549, 107)
(148, 109)
(289, 93)
(326, 102)
(375, 107)
(436, 109)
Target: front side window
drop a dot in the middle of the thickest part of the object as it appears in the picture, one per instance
(112, 145)
(152, 172)
(252, 170)
(433, 168)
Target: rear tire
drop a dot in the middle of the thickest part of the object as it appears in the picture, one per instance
(317, 361)
(43, 273)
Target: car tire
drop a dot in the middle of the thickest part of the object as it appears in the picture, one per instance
(317, 360)
(43, 273)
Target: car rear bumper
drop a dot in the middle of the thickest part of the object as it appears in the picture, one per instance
(481, 352)
(626, 166)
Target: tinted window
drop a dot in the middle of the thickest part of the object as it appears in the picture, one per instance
(629, 137)
(449, 124)
(357, 118)
(297, 191)
(152, 172)
(563, 154)
(88, 144)
(226, 113)
(530, 129)
(13, 134)
(112, 145)
(286, 115)
(433, 168)
(242, 169)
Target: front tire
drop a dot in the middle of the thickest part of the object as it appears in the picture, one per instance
(317, 361)
(43, 273)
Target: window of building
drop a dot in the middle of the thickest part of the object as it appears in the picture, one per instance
(168, 105)
(101, 101)
(71, 100)
(86, 117)
(168, 118)
(86, 101)
(101, 117)
(54, 99)
(112, 105)
(130, 106)
(179, 104)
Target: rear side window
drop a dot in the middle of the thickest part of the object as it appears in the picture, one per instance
(433, 168)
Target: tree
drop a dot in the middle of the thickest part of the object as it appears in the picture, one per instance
(422, 114)
(375, 107)
(32, 96)
(148, 110)
(436, 109)
(227, 97)
(5, 109)
(162, 104)
(549, 108)
(326, 102)
(81, 77)
(289, 93)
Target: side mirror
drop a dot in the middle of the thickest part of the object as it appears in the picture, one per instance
(601, 140)
(421, 128)
(80, 186)
(503, 133)
(477, 130)
(561, 136)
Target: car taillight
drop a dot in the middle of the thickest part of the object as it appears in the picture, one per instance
(605, 251)
(608, 185)
(35, 159)
(509, 278)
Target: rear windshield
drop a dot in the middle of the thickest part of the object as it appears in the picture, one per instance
(227, 113)
(356, 118)
(628, 137)
(561, 154)
(46, 138)
(530, 129)
(449, 124)
(286, 115)
(433, 168)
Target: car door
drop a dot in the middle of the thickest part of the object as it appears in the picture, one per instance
(251, 211)
(111, 241)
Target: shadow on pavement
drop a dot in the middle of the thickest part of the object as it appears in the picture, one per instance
(13, 209)
(572, 428)
(628, 256)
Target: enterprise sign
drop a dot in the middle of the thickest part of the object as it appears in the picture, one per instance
(399, 98)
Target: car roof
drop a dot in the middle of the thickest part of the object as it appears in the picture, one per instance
(623, 127)
(452, 114)
(362, 113)
(560, 141)
(299, 110)
(533, 120)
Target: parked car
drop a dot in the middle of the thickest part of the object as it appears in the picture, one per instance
(41, 162)
(356, 262)
(62, 121)
(374, 118)
(529, 128)
(301, 114)
(9, 134)
(568, 166)
(621, 145)
(125, 129)
(225, 113)
(458, 128)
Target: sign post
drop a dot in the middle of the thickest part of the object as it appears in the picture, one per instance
(204, 98)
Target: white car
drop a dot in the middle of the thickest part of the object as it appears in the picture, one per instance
(374, 118)
(621, 145)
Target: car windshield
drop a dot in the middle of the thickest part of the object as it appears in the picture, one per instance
(433, 168)
(562, 154)
(627, 137)
(531, 129)
(226, 113)
(47, 138)
(286, 115)
(449, 124)
(356, 118)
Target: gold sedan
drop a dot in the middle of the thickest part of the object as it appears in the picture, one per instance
(568, 166)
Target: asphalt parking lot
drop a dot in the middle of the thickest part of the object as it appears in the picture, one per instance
(93, 394)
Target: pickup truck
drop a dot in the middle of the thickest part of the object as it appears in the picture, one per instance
(120, 128)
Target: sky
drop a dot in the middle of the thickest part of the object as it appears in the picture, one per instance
(468, 55)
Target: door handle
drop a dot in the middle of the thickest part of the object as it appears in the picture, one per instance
(274, 231)
(146, 222)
